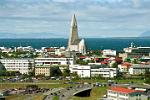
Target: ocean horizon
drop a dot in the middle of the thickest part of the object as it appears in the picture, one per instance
(91, 43)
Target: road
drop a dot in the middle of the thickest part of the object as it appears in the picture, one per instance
(66, 93)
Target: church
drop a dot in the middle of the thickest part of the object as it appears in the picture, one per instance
(75, 44)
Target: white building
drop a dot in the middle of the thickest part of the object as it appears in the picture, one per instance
(104, 72)
(108, 52)
(83, 71)
(5, 50)
(137, 69)
(120, 93)
(24, 49)
(87, 71)
(24, 66)
(43, 65)
(53, 61)
(60, 51)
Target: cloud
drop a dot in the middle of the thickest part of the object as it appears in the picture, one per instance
(64, 1)
(136, 3)
(95, 17)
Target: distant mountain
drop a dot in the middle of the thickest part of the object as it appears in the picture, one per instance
(145, 34)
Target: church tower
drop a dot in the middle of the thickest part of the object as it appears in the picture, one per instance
(75, 43)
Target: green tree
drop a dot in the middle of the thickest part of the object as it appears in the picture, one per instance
(66, 72)
(55, 71)
(115, 65)
(75, 75)
(135, 61)
(119, 75)
(2, 70)
(81, 62)
(32, 73)
(147, 76)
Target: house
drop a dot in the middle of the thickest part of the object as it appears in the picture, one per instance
(124, 67)
(121, 93)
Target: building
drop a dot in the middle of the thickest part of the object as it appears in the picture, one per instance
(88, 71)
(53, 61)
(43, 65)
(24, 49)
(135, 52)
(124, 67)
(104, 72)
(137, 69)
(83, 71)
(5, 50)
(75, 44)
(43, 70)
(54, 50)
(24, 66)
(108, 52)
(121, 93)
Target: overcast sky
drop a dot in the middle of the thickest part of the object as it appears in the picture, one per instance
(52, 18)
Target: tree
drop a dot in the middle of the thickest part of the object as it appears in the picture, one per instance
(81, 62)
(55, 71)
(147, 76)
(115, 65)
(135, 61)
(128, 60)
(2, 70)
(66, 72)
(32, 73)
(75, 75)
(119, 75)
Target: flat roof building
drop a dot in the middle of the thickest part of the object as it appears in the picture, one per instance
(23, 65)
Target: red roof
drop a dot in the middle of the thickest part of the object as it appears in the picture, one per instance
(96, 58)
(126, 64)
(82, 57)
(106, 59)
(123, 90)
(104, 62)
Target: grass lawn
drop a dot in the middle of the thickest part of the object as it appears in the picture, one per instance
(56, 98)
(106, 80)
(15, 97)
(96, 93)
(40, 85)
(23, 97)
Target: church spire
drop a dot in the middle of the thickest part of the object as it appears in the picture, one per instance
(73, 31)
(74, 21)
(75, 44)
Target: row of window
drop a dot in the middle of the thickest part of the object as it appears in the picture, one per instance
(53, 60)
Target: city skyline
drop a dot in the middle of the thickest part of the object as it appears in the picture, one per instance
(51, 18)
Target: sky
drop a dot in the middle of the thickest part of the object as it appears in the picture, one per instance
(52, 18)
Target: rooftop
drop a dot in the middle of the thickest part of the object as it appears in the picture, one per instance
(123, 90)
